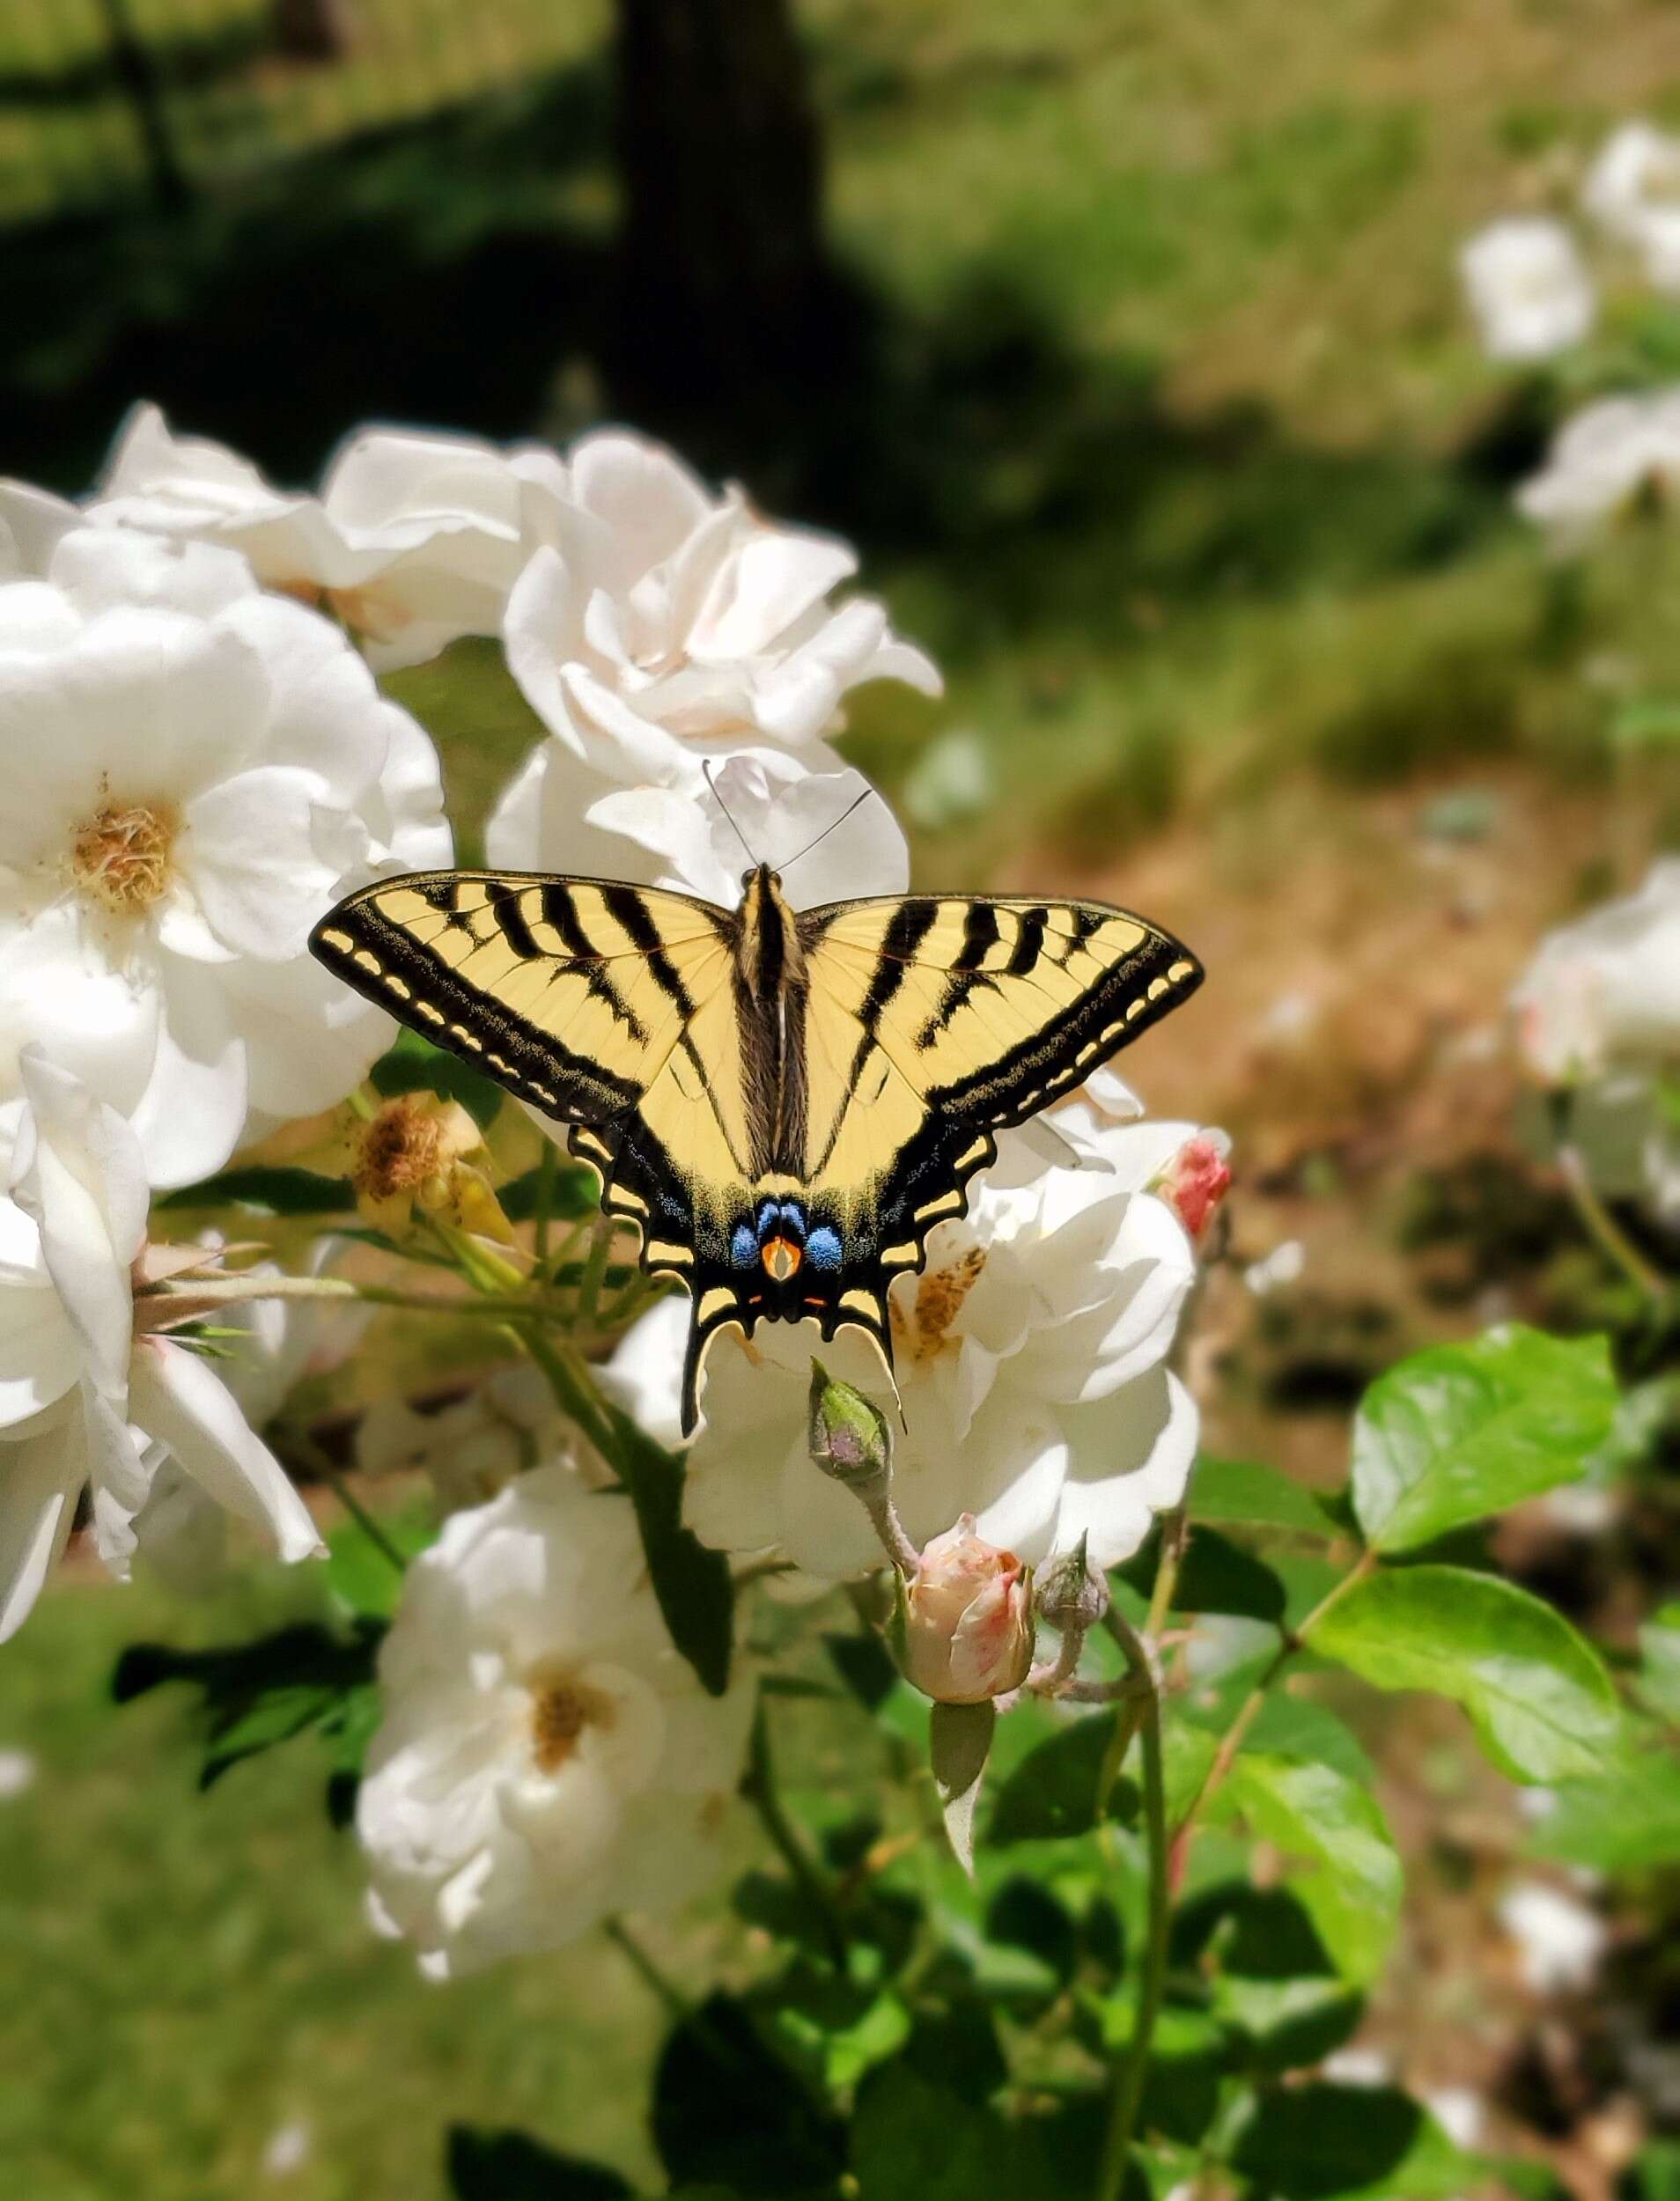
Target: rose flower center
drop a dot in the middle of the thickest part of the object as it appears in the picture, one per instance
(560, 1711)
(400, 1150)
(938, 1301)
(121, 858)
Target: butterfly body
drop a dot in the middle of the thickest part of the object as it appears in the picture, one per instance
(785, 1102)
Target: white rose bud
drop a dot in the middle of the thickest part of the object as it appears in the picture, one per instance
(968, 1619)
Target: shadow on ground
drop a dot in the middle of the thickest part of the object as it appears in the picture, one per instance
(433, 272)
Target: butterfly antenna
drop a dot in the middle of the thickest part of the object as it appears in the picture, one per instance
(706, 767)
(832, 827)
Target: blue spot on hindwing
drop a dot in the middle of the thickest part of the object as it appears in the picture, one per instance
(743, 1246)
(822, 1247)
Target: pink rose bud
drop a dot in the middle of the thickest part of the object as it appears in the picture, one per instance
(1196, 1180)
(968, 1620)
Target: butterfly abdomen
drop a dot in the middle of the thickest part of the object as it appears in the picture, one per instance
(772, 990)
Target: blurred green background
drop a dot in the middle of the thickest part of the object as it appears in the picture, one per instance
(1125, 340)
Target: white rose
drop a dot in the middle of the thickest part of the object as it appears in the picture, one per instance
(197, 771)
(1597, 1014)
(85, 1402)
(471, 1447)
(1632, 191)
(1528, 288)
(415, 539)
(1609, 455)
(546, 1757)
(1603, 994)
(655, 617)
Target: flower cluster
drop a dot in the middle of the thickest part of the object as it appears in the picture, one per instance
(1532, 294)
(202, 762)
(1598, 1025)
(1526, 275)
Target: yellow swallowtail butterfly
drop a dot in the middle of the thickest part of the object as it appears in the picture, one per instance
(785, 1102)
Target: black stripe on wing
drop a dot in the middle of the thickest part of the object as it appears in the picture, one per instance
(1051, 1062)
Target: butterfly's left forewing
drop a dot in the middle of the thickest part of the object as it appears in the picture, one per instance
(575, 994)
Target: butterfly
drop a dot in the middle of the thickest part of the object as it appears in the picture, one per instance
(785, 1102)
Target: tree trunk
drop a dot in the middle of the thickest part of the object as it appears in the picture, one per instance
(312, 30)
(721, 251)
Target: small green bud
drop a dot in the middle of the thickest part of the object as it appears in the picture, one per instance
(1071, 1593)
(850, 1438)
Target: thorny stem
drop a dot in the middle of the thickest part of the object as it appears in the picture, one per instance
(759, 1788)
(217, 1290)
(546, 1173)
(601, 1247)
(1602, 1227)
(1129, 2072)
(302, 1446)
(760, 1570)
(1174, 1541)
(569, 1379)
(647, 1971)
(883, 1519)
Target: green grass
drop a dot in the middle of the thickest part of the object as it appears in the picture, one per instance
(185, 1974)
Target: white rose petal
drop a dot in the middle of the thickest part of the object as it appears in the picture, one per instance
(415, 539)
(113, 1412)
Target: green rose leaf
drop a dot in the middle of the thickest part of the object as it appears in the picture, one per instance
(415, 1065)
(359, 1572)
(959, 1742)
(1542, 1704)
(727, 2110)
(1054, 1793)
(1311, 1811)
(1320, 2142)
(916, 2140)
(696, 1598)
(1244, 1494)
(1628, 1821)
(1463, 1430)
(511, 2166)
(1660, 1681)
(574, 1192)
(833, 2029)
(276, 1191)
(1215, 1575)
(255, 1695)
